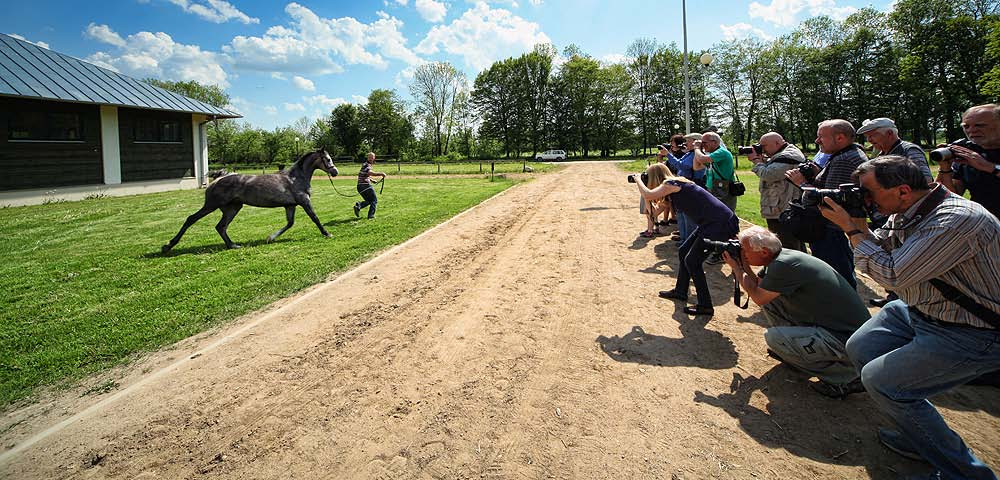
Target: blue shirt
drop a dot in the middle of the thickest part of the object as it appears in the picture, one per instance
(714, 219)
(685, 166)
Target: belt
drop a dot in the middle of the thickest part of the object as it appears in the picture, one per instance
(941, 323)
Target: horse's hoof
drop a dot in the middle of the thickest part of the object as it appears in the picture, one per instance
(165, 248)
(233, 246)
(328, 235)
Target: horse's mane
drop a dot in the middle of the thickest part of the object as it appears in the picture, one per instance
(301, 161)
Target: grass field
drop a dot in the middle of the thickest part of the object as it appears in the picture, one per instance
(85, 286)
(403, 168)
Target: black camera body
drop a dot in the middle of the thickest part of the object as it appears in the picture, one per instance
(947, 154)
(847, 195)
(715, 247)
(755, 148)
(809, 170)
(643, 175)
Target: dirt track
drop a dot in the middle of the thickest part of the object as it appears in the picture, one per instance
(522, 340)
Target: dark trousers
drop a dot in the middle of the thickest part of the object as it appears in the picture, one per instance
(787, 239)
(836, 251)
(371, 200)
(692, 255)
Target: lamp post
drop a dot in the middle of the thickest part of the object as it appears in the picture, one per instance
(687, 79)
(296, 147)
(706, 60)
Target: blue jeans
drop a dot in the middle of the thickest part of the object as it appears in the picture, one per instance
(903, 359)
(692, 256)
(368, 193)
(684, 225)
(836, 251)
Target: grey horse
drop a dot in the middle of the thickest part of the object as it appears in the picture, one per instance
(287, 188)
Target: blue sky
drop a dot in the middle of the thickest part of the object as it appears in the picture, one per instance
(280, 61)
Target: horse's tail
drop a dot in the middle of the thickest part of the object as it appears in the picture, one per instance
(215, 174)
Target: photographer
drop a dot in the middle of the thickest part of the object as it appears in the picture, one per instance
(835, 137)
(811, 308)
(653, 208)
(884, 137)
(719, 167)
(776, 156)
(962, 167)
(684, 165)
(712, 220)
(939, 252)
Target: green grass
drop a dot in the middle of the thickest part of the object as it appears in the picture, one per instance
(85, 286)
(403, 168)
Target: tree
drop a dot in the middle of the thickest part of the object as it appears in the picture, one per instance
(435, 86)
(210, 94)
(383, 121)
(640, 66)
(346, 128)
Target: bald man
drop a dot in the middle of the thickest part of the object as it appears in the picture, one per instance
(778, 156)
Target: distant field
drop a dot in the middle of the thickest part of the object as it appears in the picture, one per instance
(404, 168)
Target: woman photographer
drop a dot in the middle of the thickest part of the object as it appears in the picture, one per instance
(713, 220)
(653, 208)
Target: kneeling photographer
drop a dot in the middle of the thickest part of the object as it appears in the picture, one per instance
(712, 219)
(812, 309)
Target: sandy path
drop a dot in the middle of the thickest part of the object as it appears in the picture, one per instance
(523, 340)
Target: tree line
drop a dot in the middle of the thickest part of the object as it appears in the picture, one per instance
(921, 64)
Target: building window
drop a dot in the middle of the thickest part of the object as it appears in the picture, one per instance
(154, 130)
(45, 126)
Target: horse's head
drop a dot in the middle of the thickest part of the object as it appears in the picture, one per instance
(325, 162)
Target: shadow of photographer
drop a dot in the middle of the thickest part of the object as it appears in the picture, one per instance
(697, 347)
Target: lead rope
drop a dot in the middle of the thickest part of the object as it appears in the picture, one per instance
(352, 196)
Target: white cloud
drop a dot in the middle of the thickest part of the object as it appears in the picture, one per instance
(360, 100)
(270, 110)
(401, 2)
(483, 35)
(104, 33)
(512, 3)
(315, 45)
(40, 44)
(303, 84)
(535, 2)
(742, 30)
(216, 11)
(324, 101)
(294, 107)
(430, 10)
(278, 76)
(612, 58)
(785, 13)
(147, 54)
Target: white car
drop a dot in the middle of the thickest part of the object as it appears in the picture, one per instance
(551, 155)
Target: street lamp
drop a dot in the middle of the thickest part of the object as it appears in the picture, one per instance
(296, 147)
(687, 79)
(706, 60)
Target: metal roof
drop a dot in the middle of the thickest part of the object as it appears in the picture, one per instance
(30, 71)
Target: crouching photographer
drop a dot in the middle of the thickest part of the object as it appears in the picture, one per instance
(939, 252)
(712, 219)
(811, 308)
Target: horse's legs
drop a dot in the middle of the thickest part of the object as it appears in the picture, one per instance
(307, 206)
(290, 215)
(229, 212)
(194, 217)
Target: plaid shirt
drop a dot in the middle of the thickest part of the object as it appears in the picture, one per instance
(956, 242)
(364, 176)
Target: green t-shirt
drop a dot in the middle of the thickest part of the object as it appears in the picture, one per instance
(813, 293)
(723, 163)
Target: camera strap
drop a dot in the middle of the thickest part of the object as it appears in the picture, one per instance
(738, 293)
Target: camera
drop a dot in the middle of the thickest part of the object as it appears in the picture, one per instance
(715, 247)
(809, 171)
(847, 195)
(755, 148)
(946, 154)
(643, 175)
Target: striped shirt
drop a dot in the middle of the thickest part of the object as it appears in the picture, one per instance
(840, 167)
(958, 242)
(364, 176)
(915, 154)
